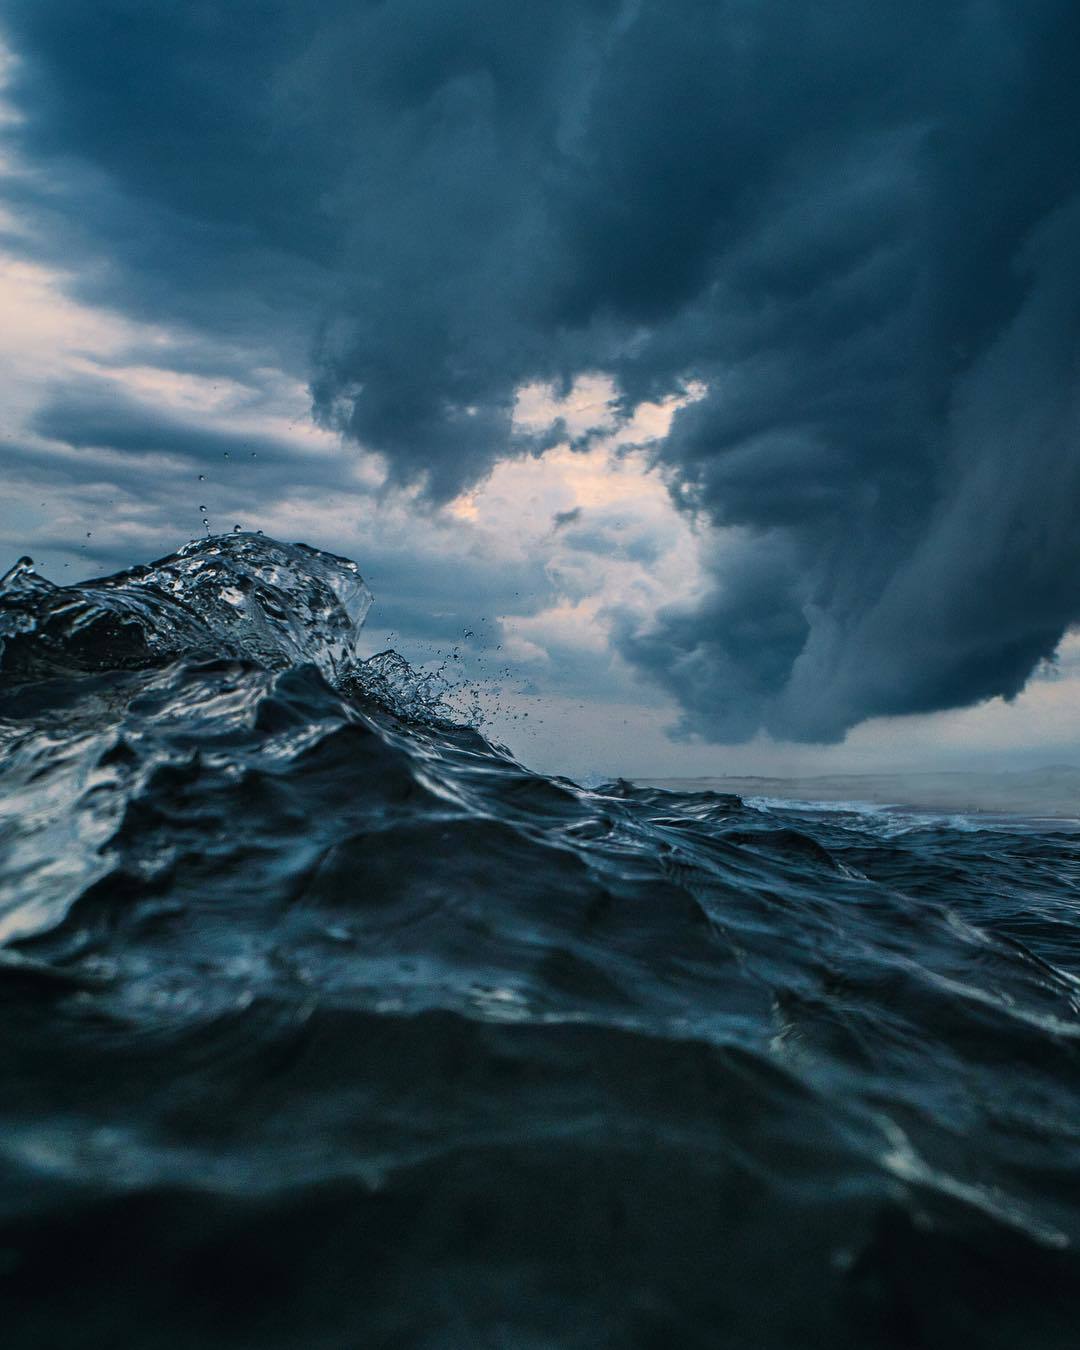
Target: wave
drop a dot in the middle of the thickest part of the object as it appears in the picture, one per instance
(327, 1022)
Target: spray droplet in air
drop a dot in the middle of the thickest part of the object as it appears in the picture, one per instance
(236, 529)
(202, 478)
(225, 455)
(202, 508)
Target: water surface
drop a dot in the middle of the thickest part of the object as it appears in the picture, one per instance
(326, 1023)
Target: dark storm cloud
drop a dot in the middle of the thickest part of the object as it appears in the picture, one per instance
(375, 173)
(93, 415)
(855, 224)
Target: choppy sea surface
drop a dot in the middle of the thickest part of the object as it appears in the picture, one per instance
(325, 1023)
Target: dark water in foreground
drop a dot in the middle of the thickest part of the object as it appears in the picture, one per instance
(321, 1027)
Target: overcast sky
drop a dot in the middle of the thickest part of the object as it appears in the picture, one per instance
(705, 373)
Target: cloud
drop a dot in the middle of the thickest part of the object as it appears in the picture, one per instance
(850, 231)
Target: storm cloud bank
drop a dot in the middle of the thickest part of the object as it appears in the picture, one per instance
(856, 226)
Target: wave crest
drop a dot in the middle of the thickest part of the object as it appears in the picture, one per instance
(240, 595)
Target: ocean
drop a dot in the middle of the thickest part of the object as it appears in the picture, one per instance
(327, 1023)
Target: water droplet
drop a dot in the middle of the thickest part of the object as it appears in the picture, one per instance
(89, 533)
(237, 530)
(254, 455)
(225, 455)
(202, 478)
(202, 508)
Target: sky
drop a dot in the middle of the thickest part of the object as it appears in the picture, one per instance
(702, 377)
